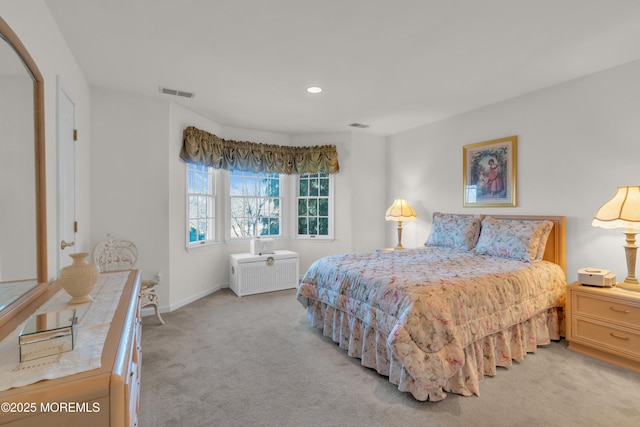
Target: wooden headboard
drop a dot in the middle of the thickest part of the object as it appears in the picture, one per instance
(556, 249)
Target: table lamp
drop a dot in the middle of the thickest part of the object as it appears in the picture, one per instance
(400, 211)
(623, 211)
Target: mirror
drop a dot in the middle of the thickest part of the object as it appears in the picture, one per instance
(23, 252)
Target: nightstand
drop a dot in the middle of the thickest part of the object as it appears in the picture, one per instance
(604, 323)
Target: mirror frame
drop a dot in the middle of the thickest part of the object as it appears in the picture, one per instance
(40, 176)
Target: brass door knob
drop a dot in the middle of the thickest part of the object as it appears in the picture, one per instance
(64, 244)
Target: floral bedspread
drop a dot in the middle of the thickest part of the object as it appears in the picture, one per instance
(433, 302)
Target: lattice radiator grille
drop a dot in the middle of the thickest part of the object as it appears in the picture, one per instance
(256, 277)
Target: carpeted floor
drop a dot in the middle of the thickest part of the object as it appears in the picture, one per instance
(256, 361)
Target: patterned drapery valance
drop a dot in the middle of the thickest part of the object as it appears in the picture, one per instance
(207, 149)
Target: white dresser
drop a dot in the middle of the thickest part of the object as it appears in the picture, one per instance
(253, 274)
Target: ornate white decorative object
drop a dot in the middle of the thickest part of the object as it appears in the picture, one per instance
(119, 255)
(79, 278)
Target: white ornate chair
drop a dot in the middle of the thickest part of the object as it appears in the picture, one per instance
(119, 255)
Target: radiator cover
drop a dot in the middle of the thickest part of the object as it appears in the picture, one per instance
(253, 274)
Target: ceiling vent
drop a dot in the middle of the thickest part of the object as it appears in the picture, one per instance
(358, 125)
(175, 92)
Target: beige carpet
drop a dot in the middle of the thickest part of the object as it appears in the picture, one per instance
(256, 361)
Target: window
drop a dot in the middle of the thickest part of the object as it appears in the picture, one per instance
(200, 205)
(254, 204)
(315, 205)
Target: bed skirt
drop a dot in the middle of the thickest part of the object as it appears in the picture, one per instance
(482, 357)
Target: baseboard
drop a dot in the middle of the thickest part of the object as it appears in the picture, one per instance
(149, 311)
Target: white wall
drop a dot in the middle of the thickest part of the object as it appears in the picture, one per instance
(368, 185)
(129, 177)
(37, 30)
(577, 142)
(198, 272)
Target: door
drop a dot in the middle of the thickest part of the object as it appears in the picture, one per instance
(66, 176)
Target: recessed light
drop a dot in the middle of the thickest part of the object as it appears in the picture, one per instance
(314, 89)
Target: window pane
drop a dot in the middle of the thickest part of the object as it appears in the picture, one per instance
(302, 226)
(304, 187)
(274, 226)
(323, 226)
(198, 182)
(202, 229)
(313, 225)
(313, 207)
(256, 187)
(205, 184)
(203, 207)
(237, 207)
(323, 207)
(302, 207)
(324, 187)
(235, 185)
(193, 207)
(251, 206)
(274, 188)
(313, 187)
(263, 227)
(193, 231)
(191, 181)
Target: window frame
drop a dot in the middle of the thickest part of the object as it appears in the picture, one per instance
(213, 210)
(283, 201)
(330, 214)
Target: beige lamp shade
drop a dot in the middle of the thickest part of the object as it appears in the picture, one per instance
(400, 211)
(622, 211)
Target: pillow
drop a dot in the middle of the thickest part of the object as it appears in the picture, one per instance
(454, 231)
(512, 238)
(544, 236)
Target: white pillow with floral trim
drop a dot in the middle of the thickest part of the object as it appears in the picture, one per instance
(454, 231)
(511, 238)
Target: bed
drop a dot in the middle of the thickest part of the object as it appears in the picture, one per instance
(482, 292)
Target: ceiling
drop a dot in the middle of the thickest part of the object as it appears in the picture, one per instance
(392, 65)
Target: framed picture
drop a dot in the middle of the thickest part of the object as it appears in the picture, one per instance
(489, 173)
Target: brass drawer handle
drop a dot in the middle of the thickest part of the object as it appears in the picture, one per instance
(617, 310)
(619, 336)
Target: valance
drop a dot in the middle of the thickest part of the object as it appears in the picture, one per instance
(207, 149)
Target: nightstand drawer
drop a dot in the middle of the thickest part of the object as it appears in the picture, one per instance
(609, 309)
(621, 340)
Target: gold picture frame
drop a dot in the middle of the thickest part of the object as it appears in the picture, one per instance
(489, 173)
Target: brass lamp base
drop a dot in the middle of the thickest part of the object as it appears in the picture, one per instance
(630, 283)
(628, 286)
(399, 247)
